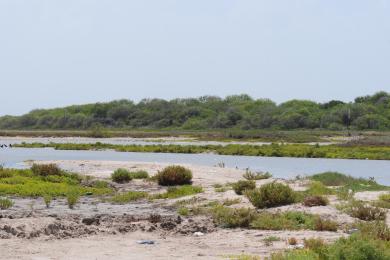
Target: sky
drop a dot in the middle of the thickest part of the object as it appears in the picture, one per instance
(55, 53)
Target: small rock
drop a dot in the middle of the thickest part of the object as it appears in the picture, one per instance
(145, 242)
(198, 234)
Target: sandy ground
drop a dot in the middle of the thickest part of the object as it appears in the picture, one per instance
(174, 239)
(214, 245)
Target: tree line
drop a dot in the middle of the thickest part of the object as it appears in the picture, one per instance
(211, 112)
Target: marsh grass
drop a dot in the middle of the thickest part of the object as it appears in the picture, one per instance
(72, 197)
(123, 198)
(47, 198)
(254, 176)
(271, 195)
(5, 203)
(345, 182)
(243, 185)
(362, 211)
(27, 184)
(177, 192)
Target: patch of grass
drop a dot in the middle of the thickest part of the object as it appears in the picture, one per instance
(348, 182)
(312, 201)
(321, 224)
(183, 211)
(316, 188)
(123, 198)
(363, 211)
(121, 176)
(139, 175)
(174, 175)
(271, 195)
(177, 192)
(47, 198)
(229, 202)
(241, 186)
(268, 241)
(291, 220)
(233, 218)
(253, 176)
(27, 184)
(5, 203)
(72, 197)
(46, 169)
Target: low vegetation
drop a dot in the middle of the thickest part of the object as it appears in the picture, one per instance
(123, 198)
(5, 203)
(26, 183)
(121, 176)
(248, 218)
(363, 211)
(271, 150)
(312, 201)
(72, 197)
(254, 176)
(345, 182)
(242, 186)
(174, 175)
(271, 195)
(179, 191)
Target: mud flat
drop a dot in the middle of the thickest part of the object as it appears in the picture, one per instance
(98, 229)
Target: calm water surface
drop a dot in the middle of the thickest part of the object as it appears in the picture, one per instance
(279, 167)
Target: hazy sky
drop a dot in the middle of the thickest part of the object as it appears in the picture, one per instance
(55, 53)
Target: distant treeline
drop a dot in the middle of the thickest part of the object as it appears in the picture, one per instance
(209, 112)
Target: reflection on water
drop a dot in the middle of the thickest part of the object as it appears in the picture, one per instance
(279, 167)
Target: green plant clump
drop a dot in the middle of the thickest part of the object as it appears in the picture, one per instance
(174, 175)
(271, 195)
(123, 198)
(241, 186)
(121, 176)
(5, 203)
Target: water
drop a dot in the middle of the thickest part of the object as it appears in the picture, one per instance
(279, 167)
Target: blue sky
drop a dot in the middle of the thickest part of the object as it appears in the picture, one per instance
(55, 53)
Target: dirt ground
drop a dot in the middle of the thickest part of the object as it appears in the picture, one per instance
(101, 230)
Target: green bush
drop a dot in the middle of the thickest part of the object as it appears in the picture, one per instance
(47, 198)
(312, 201)
(316, 188)
(241, 186)
(360, 210)
(5, 203)
(174, 175)
(233, 218)
(139, 175)
(72, 197)
(121, 176)
(271, 195)
(325, 225)
(46, 170)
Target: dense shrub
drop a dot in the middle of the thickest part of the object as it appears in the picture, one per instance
(233, 218)
(360, 210)
(121, 176)
(5, 203)
(325, 225)
(241, 186)
(174, 175)
(271, 195)
(46, 170)
(312, 201)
